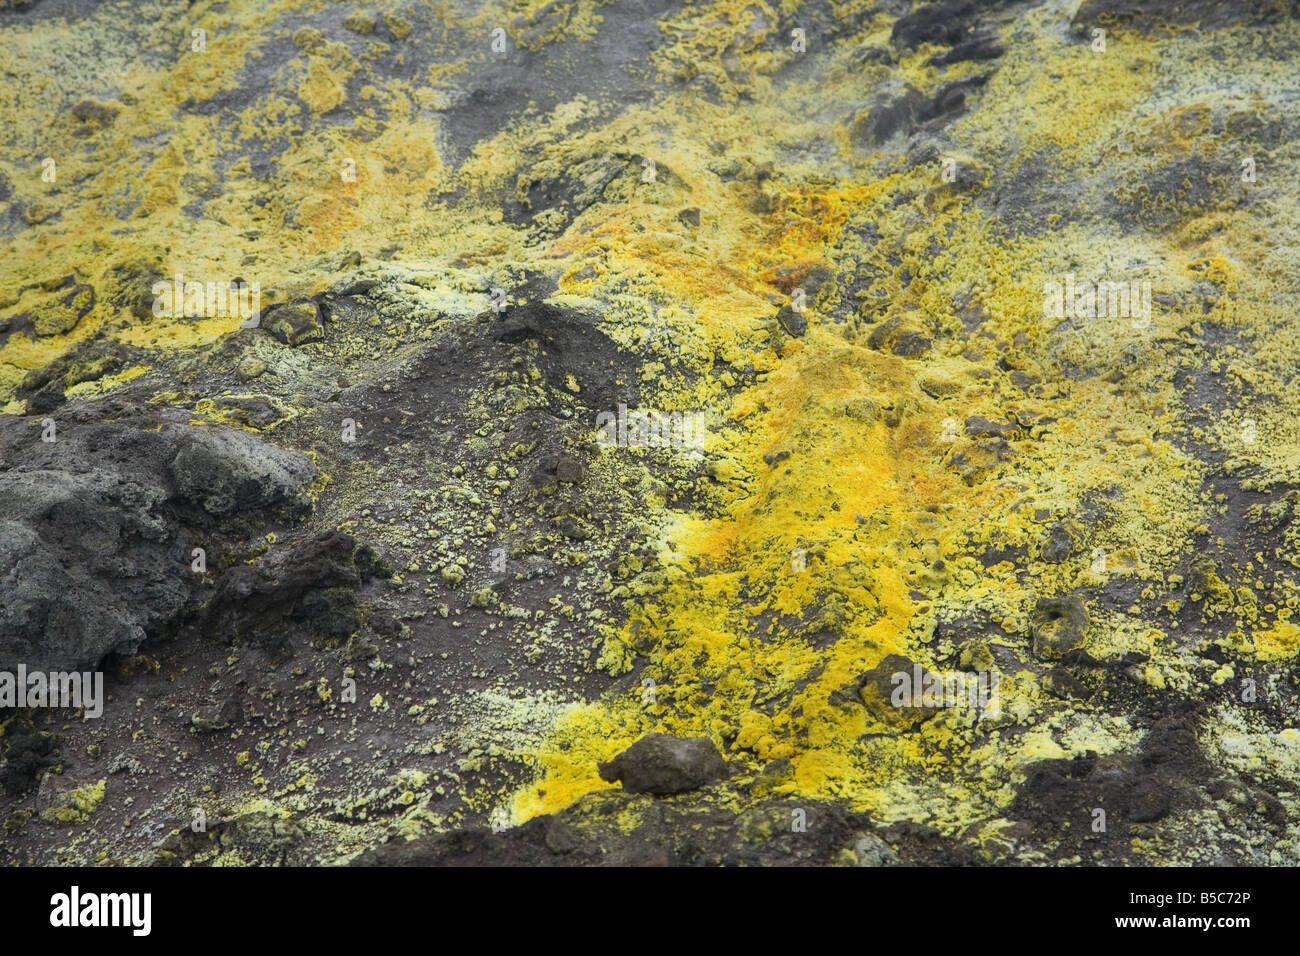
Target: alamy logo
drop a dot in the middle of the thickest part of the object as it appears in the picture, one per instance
(649, 429)
(923, 688)
(103, 909)
(53, 689)
(181, 299)
(1092, 300)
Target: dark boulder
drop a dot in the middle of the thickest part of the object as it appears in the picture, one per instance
(663, 764)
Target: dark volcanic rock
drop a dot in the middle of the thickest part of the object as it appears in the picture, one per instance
(44, 387)
(661, 764)
(94, 113)
(793, 321)
(295, 323)
(947, 23)
(258, 836)
(886, 119)
(1059, 626)
(977, 426)
(314, 582)
(900, 337)
(878, 686)
(225, 470)
(27, 754)
(983, 46)
(569, 470)
(1060, 543)
(97, 529)
(1067, 795)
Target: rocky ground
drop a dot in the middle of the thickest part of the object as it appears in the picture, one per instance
(366, 581)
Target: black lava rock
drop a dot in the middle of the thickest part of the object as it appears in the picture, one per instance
(662, 764)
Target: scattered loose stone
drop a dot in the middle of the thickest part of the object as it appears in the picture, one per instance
(663, 764)
(295, 323)
(1058, 625)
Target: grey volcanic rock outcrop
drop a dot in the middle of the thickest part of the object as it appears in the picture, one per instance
(97, 529)
(312, 584)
